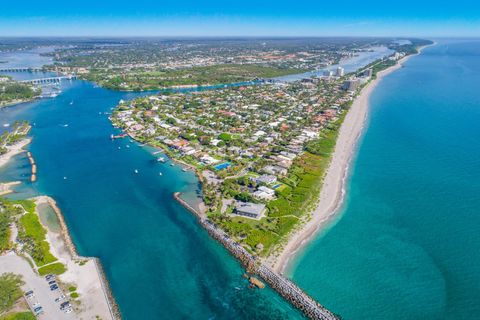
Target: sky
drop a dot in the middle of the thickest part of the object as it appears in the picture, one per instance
(437, 18)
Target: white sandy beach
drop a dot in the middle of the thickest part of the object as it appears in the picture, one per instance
(13, 151)
(333, 190)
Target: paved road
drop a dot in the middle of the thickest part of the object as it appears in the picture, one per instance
(13, 263)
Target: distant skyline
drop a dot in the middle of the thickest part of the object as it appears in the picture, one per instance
(244, 18)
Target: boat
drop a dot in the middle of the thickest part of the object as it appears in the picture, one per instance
(161, 159)
(184, 169)
(128, 146)
(171, 164)
(71, 102)
(160, 174)
(136, 171)
(65, 125)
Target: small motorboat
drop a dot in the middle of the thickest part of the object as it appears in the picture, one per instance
(136, 171)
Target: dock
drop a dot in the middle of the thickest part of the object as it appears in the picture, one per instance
(286, 288)
(118, 136)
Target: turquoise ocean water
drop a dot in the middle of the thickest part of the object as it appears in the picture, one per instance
(407, 243)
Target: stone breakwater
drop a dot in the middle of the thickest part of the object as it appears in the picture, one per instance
(112, 304)
(286, 288)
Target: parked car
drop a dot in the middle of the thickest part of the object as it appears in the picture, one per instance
(52, 282)
(65, 305)
(29, 294)
(49, 277)
(53, 287)
(38, 310)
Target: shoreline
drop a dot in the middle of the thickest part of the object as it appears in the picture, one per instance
(73, 253)
(14, 150)
(333, 190)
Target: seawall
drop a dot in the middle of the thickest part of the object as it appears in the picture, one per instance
(112, 304)
(286, 288)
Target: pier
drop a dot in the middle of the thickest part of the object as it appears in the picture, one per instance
(286, 288)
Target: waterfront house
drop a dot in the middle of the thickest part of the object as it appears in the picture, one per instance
(249, 209)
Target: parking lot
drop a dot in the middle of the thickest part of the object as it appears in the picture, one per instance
(42, 296)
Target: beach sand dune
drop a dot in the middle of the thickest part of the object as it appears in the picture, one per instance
(333, 190)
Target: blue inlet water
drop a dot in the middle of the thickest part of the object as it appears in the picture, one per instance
(407, 243)
(159, 262)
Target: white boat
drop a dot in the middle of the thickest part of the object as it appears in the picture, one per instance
(71, 102)
(136, 171)
(161, 159)
(128, 146)
(160, 174)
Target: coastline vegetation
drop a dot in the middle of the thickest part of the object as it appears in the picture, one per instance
(302, 188)
(10, 290)
(33, 235)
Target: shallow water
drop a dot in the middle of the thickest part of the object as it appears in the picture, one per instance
(406, 244)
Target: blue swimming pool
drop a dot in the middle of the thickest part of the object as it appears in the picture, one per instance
(222, 166)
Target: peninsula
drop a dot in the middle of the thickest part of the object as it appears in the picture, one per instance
(273, 158)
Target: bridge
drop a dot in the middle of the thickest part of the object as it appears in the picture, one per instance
(49, 80)
(21, 70)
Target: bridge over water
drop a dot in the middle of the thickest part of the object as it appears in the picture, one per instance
(21, 69)
(50, 79)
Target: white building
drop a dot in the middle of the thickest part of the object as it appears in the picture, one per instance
(340, 72)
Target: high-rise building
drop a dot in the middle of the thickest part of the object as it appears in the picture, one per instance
(340, 72)
(351, 85)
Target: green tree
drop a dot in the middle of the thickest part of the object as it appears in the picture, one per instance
(9, 290)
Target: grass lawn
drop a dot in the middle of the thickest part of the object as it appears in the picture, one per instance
(54, 268)
(27, 315)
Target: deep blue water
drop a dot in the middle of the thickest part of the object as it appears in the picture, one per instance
(407, 243)
(158, 260)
